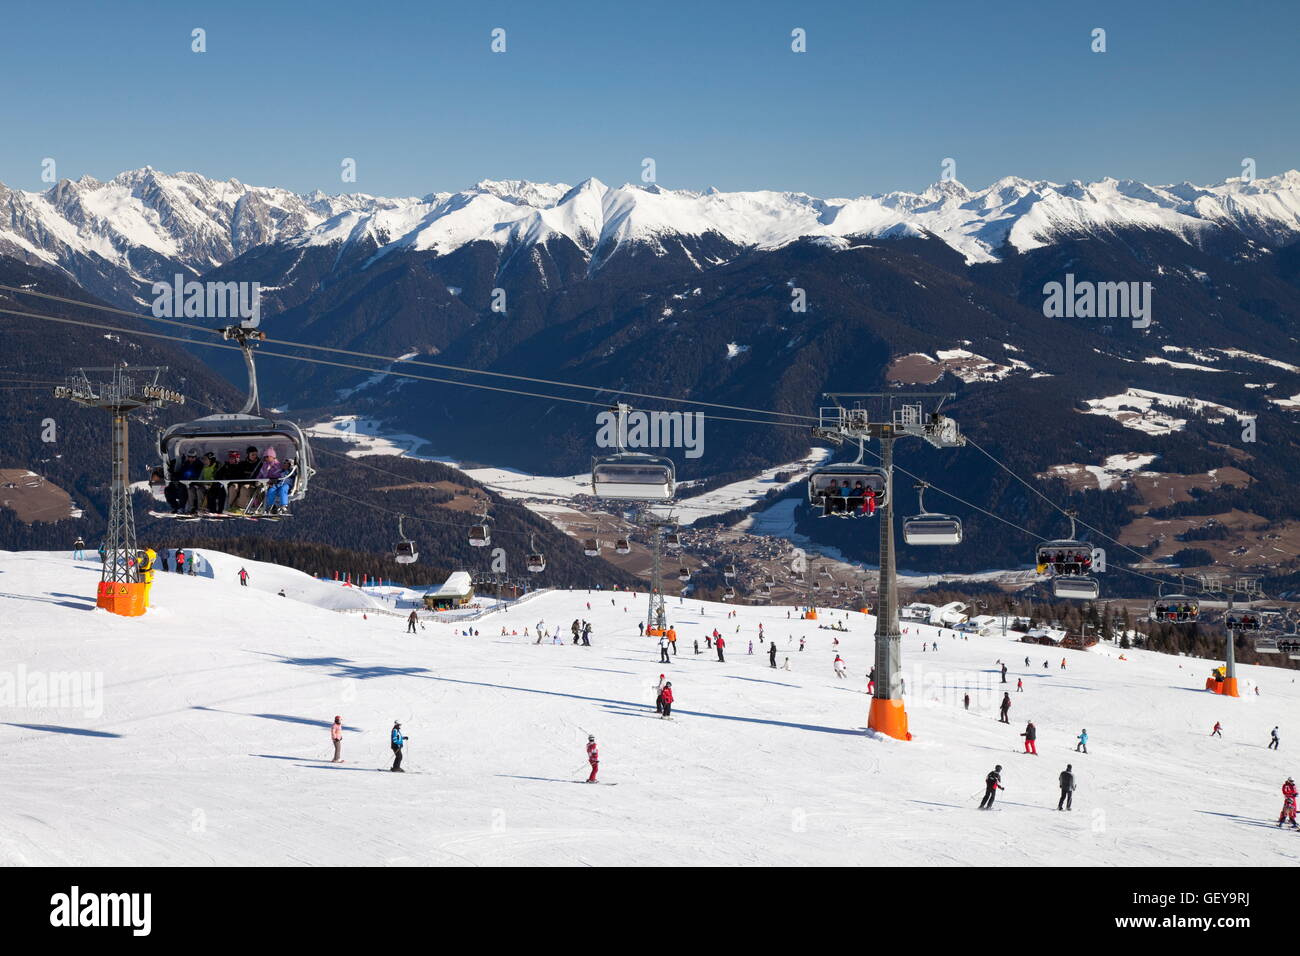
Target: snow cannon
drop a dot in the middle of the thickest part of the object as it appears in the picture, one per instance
(121, 597)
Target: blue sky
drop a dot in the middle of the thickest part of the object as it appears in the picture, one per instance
(711, 91)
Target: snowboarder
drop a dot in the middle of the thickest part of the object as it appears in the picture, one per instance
(243, 575)
(992, 784)
(593, 757)
(397, 741)
(411, 620)
(1067, 788)
(1006, 706)
(1288, 803)
(771, 654)
(663, 650)
(1218, 730)
(667, 698)
(719, 644)
(1082, 745)
(336, 735)
(1273, 741)
(1031, 738)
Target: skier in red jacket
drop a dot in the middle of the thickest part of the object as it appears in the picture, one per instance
(593, 757)
(1288, 803)
(667, 698)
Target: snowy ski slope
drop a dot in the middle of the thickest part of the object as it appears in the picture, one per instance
(208, 742)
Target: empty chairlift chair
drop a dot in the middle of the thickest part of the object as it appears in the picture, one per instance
(535, 560)
(404, 552)
(929, 528)
(621, 546)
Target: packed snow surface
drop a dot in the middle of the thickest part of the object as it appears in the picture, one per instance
(209, 740)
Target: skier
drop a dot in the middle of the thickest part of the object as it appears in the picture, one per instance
(801, 643)
(667, 698)
(593, 757)
(719, 644)
(1020, 685)
(1006, 706)
(1004, 673)
(1082, 745)
(659, 695)
(967, 701)
(751, 647)
(243, 575)
(410, 623)
(640, 628)
(1031, 738)
(838, 664)
(1067, 788)
(663, 650)
(992, 784)
(336, 735)
(1273, 742)
(78, 549)
(180, 561)
(282, 594)
(576, 629)
(586, 634)
(397, 742)
(771, 654)
(1218, 730)
(1062, 663)
(1288, 803)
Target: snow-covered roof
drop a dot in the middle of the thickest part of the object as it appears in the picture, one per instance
(457, 585)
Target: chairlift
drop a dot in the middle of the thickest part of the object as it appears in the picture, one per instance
(1064, 556)
(729, 594)
(184, 447)
(591, 547)
(621, 546)
(673, 539)
(1250, 619)
(1174, 608)
(729, 572)
(684, 575)
(841, 490)
(480, 535)
(632, 476)
(535, 561)
(928, 528)
(405, 551)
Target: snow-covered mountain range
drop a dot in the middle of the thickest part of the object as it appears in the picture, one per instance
(143, 224)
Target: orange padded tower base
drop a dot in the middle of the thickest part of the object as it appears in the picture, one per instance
(889, 718)
(121, 597)
(1227, 687)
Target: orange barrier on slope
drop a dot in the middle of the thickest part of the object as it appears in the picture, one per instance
(888, 717)
(120, 597)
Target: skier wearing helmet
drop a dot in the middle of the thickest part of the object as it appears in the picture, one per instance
(593, 757)
(992, 784)
(1288, 804)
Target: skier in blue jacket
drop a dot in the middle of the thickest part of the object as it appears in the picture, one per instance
(1083, 741)
(397, 741)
